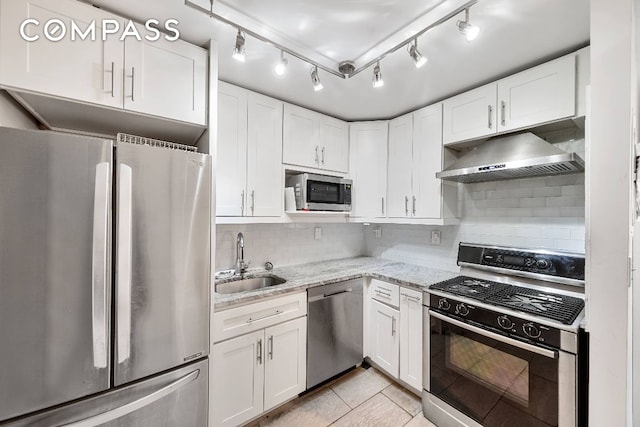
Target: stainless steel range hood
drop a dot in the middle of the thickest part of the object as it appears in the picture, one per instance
(512, 156)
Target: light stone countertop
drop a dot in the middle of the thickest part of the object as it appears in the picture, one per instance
(304, 276)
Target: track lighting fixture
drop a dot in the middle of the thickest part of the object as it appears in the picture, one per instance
(281, 66)
(418, 59)
(467, 29)
(238, 51)
(317, 85)
(377, 76)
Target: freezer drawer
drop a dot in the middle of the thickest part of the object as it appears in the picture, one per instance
(55, 196)
(177, 398)
(162, 259)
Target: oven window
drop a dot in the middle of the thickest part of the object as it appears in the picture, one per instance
(492, 382)
(322, 192)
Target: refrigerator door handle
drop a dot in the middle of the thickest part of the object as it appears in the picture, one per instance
(99, 265)
(123, 312)
(147, 400)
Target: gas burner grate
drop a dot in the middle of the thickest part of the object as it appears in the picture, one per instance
(562, 308)
(470, 287)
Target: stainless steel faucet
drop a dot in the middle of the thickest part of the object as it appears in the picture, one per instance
(240, 264)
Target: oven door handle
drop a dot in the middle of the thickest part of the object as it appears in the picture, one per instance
(528, 347)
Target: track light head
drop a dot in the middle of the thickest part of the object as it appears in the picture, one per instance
(239, 49)
(281, 66)
(377, 76)
(467, 29)
(418, 59)
(317, 85)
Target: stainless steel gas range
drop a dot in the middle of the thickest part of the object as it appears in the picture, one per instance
(502, 341)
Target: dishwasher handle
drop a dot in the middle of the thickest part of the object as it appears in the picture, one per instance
(325, 296)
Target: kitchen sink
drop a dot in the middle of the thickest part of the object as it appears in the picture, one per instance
(248, 284)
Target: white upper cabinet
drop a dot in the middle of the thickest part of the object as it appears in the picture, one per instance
(249, 177)
(471, 114)
(399, 191)
(314, 140)
(160, 78)
(368, 168)
(541, 94)
(538, 95)
(231, 170)
(165, 79)
(89, 71)
(265, 175)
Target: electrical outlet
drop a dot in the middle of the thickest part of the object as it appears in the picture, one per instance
(435, 237)
(377, 232)
(317, 233)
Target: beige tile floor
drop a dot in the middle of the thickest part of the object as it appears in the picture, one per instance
(360, 398)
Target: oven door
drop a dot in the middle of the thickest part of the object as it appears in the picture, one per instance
(497, 380)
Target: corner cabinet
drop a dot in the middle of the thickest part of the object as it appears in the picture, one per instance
(163, 79)
(250, 177)
(314, 140)
(368, 168)
(264, 367)
(541, 94)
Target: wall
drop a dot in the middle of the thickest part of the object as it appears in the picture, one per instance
(13, 115)
(545, 212)
(287, 244)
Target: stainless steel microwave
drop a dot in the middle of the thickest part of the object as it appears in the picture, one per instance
(320, 192)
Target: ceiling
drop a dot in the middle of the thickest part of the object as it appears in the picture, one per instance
(514, 35)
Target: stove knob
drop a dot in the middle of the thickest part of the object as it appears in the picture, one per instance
(529, 262)
(542, 264)
(444, 304)
(505, 322)
(462, 309)
(531, 330)
(499, 259)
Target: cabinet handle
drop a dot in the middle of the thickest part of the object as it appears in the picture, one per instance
(253, 202)
(406, 205)
(323, 155)
(383, 206)
(271, 347)
(393, 326)
(317, 157)
(410, 298)
(133, 84)
(490, 117)
(503, 106)
(242, 203)
(113, 79)
(260, 351)
(386, 294)
(414, 205)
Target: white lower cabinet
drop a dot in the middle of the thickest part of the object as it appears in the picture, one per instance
(257, 371)
(384, 339)
(394, 331)
(411, 338)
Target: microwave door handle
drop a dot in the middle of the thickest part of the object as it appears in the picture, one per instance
(524, 346)
(123, 310)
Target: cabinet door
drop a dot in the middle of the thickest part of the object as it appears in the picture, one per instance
(238, 379)
(265, 175)
(334, 144)
(166, 79)
(82, 70)
(300, 137)
(470, 115)
(383, 337)
(285, 361)
(538, 95)
(400, 154)
(411, 338)
(427, 160)
(231, 173)
(368, 168)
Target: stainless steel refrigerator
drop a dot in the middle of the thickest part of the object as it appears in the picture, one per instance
(104, 282)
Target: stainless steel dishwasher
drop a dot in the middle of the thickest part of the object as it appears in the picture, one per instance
(334, 330)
